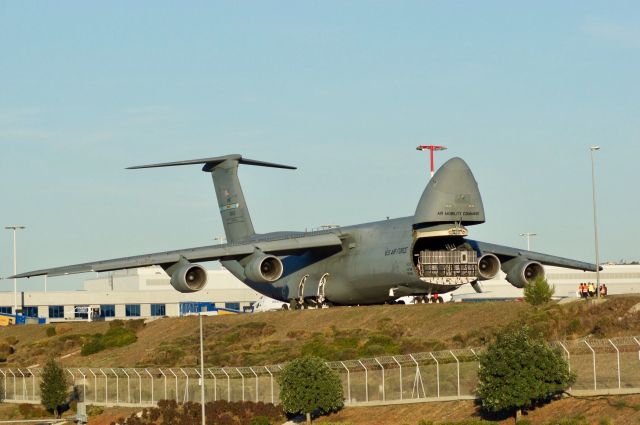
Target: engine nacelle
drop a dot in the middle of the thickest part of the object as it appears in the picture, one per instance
(488, 267)
(189, 278)
(521, 271)
(262, 268)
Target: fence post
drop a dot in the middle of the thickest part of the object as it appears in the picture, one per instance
(458, 370)
(186, 386)
(24, 385)
(95, 386)
(437, 373)
(165, 383)
(568, 356)
(128, 386)
(201, 380)
(33, 384)
(400, 366)
(84, 386)
(175, 376)
(257, 387)
(242, 376)
(106, 387)
(4, 388)
(14, 383)
(417, 382)
(139, 386)
(228, 385)
(117, 387)
(271, 379)
(618, 356)
(366, 381)
(595, 385)
(384, 398)
(150, 377)
(215, 385)
(348, 382)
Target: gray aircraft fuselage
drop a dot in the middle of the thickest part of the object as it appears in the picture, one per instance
(375, 257)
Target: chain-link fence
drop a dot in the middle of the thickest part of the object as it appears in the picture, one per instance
(602, 366)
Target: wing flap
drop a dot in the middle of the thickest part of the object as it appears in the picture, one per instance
(288, 246)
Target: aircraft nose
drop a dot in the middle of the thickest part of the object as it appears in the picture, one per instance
(452, 195)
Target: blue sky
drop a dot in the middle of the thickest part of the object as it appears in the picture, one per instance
(343, 90)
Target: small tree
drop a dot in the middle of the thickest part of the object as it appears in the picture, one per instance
(53, 388)
(538, 291)
(307, 384)
(519, 371)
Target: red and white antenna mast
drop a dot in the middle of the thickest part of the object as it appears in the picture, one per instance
(431, 149)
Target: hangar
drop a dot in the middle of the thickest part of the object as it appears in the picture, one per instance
(134, 293)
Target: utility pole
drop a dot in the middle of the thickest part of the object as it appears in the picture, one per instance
(595, 217)
(528, 236)
(431, 149)
(15, 288)
(201, 370)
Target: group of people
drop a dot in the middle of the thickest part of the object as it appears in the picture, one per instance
(588, 290)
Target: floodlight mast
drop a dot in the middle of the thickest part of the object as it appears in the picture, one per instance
(431, 149)
(14, 228)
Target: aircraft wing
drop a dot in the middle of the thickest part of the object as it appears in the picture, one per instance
(288, 245)
(505, 253)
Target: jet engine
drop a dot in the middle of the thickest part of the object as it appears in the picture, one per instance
(189, 278)
(262, 268)
(488, 267)
(521, 271)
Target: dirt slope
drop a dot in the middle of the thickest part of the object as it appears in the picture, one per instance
(336, 333)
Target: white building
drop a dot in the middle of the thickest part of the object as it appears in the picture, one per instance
(619, 279)
(146, 292)
(134, 293)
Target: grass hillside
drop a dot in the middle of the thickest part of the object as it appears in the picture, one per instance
(335, 333)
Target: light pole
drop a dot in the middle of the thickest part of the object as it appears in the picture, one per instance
(595, 217)
(15, 289)
(528, 236)
(201, 371)
(431, 149)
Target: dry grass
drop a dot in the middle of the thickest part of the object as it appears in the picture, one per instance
(341, 332)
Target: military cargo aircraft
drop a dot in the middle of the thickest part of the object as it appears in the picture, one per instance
(370, 263)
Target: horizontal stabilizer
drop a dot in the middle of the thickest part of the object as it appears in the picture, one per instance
(210, 163)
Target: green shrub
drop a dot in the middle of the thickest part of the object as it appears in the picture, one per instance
(51, 331)
(119, 337)
(520, 370)
(307, 385)
(538, 291)
(114, 337)
(94, 410)
(92, 346)
(260, 420)
(53, 388)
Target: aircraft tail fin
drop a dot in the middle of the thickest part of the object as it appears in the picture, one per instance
(224, 171)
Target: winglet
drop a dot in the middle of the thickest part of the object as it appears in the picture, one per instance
(210, 163)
